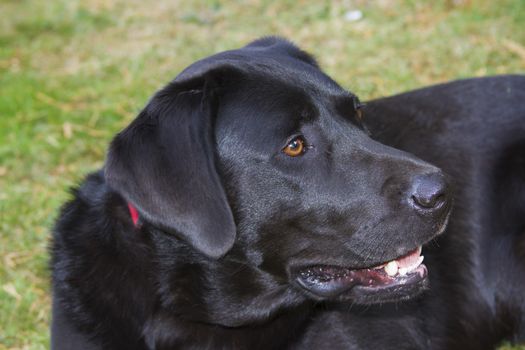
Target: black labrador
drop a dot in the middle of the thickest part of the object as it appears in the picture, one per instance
(254, 203)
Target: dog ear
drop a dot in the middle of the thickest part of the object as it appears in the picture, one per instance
(164, 164)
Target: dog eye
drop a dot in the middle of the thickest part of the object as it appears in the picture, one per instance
(295, 147)
(358, 108)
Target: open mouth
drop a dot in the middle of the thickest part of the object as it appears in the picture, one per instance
(397, 279)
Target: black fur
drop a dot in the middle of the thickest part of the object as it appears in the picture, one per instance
(227, 218)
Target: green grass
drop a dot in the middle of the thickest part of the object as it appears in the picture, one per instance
(72, 73)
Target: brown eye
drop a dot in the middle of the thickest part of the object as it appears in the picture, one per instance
(295, 147)
(359, 115)
(358, 107)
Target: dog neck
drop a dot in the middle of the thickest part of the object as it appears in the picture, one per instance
(196, 293)
(222, 297)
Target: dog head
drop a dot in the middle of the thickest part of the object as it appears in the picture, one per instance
(255, 156)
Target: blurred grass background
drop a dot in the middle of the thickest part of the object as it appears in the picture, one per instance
(72, 73)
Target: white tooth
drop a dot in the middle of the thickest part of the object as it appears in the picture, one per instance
(403, 271)
(391, 268)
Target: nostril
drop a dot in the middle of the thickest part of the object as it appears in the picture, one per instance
(428, 202)
(429, 191)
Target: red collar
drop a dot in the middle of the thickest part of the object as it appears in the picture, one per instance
(134, 214)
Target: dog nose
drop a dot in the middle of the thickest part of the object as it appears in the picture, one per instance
(429, 191)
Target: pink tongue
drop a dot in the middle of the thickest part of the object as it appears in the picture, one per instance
(409, 259)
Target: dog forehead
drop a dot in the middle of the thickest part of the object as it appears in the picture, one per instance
(264, 109)
(266, 106)
(263, 116)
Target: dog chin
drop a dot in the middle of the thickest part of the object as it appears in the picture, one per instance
(369, 296)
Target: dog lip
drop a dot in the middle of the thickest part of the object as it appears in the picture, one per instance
(328, 281)
(366, 281)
